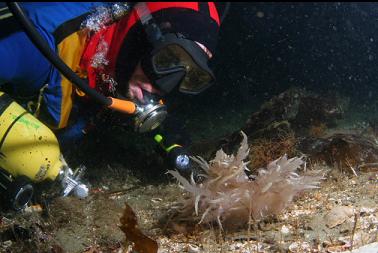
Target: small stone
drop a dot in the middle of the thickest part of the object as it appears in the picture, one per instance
(299, 247)
(285, 230)
(367, 210)
(193, 249)
(294, 247)
(369, 248)
(6, 244)
(156, 200)
(34, 208)
(338, 215)
(5, 222)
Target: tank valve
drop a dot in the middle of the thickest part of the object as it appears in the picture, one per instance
(17, 191)
(71, 182)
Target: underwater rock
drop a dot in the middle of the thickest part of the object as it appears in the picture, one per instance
(314, 110)
(338, 215)
(293, 110)
(93, 221)
(305, 117)
(281, 108)
(369, 248)
(344, 151)
(300, 108)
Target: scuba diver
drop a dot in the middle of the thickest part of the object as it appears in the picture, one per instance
(66, 63)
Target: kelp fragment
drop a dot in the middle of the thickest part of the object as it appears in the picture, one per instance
(129, 225)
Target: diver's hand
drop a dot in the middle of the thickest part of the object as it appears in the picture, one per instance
(139, 82)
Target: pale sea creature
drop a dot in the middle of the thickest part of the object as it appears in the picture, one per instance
(229, 197)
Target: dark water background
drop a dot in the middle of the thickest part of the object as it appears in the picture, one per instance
(265, 48)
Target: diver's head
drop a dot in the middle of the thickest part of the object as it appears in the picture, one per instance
(176, 61)
(170, 51)
(164, 46)
(161, 71)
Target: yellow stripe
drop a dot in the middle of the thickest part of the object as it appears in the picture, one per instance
(172, 147)
(158, 138)
(70, 50)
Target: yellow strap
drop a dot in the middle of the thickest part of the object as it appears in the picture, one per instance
(172, 147)
(70, 50)
(159, 139)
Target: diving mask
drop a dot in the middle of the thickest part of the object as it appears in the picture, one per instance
(177, 61)
(174, 59)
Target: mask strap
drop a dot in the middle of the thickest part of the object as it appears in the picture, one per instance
(150, 27)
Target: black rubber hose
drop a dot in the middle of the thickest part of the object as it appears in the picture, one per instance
(45, 49)
(225, 12)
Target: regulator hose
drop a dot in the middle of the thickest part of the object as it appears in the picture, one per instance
(225, 12)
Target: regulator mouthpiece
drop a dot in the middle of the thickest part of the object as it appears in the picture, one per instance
(150, 114)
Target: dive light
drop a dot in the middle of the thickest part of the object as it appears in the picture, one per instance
(177, 155)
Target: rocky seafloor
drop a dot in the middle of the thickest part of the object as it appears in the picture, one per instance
(339, 216)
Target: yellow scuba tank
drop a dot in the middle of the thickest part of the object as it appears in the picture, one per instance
(27, 147)
(29, 153)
